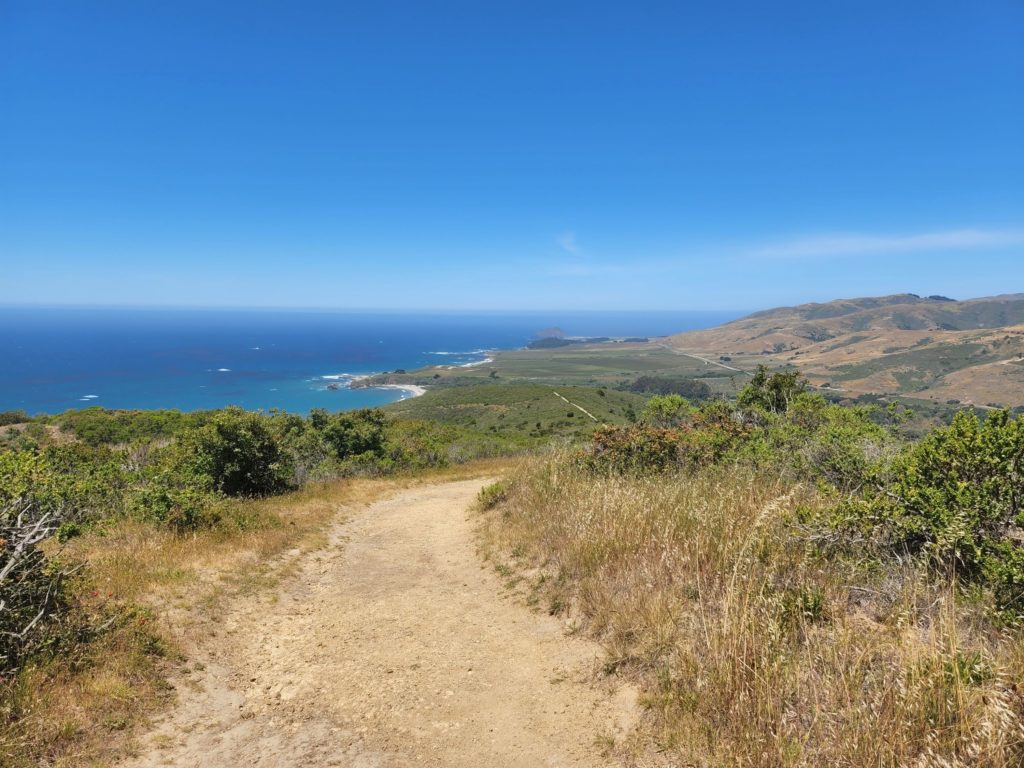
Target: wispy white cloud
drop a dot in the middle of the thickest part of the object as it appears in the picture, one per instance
(856, 244)
(567, 241)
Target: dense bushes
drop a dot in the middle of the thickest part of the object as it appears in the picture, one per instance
(184, 481)
(666, 411)
(97, 426)
(635, 449)
(25, 584)
(44, 495)
(809, 439)
(8, 418)
(355, 433)
(237, 454)
(954, 498)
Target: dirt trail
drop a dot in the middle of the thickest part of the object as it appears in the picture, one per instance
(393, 646)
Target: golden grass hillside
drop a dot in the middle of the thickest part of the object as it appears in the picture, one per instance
(752, 647)
(935, 348)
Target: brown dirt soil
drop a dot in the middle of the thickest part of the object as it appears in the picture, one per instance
(392, 646)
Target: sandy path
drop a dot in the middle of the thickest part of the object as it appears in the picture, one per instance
(393, 646)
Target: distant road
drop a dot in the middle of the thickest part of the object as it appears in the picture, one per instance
(705, 360)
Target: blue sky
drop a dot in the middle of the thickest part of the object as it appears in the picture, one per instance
(514, 155)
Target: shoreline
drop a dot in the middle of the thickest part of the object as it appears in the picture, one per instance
(355, 382)
(414, 390)
(475, 363)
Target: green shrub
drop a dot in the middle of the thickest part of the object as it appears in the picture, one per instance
(13, 417)
(72, 482)
(837, 447)
(774, 392)
(169, 494)
(633, 449)
(956, 497)
(99, 426)
(422, 444)
(238, 453)
(32, 510)
(666, 411)
(353, 433)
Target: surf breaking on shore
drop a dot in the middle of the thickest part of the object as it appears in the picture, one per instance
(348, 379)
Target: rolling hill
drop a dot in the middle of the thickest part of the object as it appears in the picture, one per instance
(931, 347)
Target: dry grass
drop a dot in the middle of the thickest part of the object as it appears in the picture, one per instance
(753, 649)
(163, 593)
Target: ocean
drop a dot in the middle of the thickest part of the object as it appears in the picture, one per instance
(55, 359)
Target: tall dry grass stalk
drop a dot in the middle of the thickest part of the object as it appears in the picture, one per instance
(753, 648)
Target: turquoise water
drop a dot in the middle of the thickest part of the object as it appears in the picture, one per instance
(55, 359)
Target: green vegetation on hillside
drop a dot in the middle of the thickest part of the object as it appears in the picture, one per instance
(917, 369)
(609, 364)
(522, 415)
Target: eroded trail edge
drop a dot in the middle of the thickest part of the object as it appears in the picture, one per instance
(393, 646)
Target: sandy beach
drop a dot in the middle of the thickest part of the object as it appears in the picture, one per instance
(355, 382)
(413, 390)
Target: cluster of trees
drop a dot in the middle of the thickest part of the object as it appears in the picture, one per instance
(954, 497)
(691, 389)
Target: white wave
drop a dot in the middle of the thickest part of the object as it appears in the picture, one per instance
(460, 354)
(89, 397)
(223, 370)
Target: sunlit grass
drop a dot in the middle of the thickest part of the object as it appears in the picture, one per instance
(753, 648)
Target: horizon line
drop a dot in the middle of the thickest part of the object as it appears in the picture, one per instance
(335, 309)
